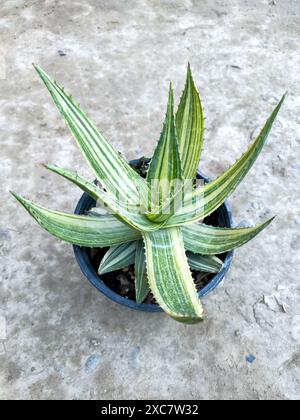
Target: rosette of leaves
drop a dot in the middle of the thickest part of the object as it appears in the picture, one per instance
(163, 245)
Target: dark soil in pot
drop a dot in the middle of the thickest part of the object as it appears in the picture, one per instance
(123, 281)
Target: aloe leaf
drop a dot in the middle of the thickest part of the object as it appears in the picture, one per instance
(165, 163)
(92, 232)
(165, 166)
(128, 213)
(209, 240)
(118, 257)
(169, 275)
(204, 263)
(190, 127)
(141, 280)
(204, 201)
(112, 170)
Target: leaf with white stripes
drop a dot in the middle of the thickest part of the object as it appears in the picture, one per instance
(190, 128)
(169, 275)
(165, 163)
(165, 166)
(129, 213)
(92, 232)
(209, 240)
(204, 201)
(118, 257)
(204, 263)
(111, 169)
(141, 280)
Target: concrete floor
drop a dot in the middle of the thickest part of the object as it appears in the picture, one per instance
(60, 338)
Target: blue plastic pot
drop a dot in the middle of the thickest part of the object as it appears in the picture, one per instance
(82, 255)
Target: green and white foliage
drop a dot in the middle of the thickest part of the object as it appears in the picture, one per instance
(162, 236)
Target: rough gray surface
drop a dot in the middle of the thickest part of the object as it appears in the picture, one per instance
(64, 340)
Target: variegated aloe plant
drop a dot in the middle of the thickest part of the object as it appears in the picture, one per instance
(164, 237)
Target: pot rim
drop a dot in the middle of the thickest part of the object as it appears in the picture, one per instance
(83, 259)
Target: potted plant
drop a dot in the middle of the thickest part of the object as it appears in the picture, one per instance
(164, 233)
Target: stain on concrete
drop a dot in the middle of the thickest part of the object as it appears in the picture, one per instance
(4, 235)
(92, 363)
(295, 244)
(133, 358)
(250, 358)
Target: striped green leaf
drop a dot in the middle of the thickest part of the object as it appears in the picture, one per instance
(92, 232)
(141, 280)
(190, 127)
(128, 213)
(165, 166)
(118, 257)
(165, 163)
(169, 275)
(209, 240)
(114, 173)
(204, 201)
(204, 263)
